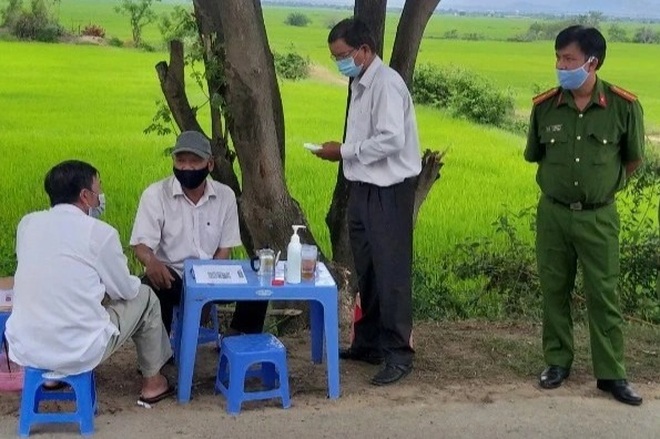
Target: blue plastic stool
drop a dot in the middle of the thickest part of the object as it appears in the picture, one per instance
(82, 391)
(206, 335)
(238, 353)
(4, 315)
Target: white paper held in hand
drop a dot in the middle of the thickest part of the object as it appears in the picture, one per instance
(312, 146)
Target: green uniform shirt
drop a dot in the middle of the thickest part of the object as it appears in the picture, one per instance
(582, 155)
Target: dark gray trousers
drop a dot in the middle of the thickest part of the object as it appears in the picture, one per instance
(380, 223)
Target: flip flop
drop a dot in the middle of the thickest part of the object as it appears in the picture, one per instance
(171, 390)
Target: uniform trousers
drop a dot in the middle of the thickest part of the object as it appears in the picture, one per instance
(591, 237)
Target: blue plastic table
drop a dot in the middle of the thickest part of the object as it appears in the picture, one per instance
(324, 321)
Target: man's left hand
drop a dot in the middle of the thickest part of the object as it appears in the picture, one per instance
(330, 151)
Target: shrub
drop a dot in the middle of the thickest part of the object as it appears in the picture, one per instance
(507, 274)
(646, 35)
(147, 47)
(451, 34)
(639, 243)
(464, 93)
(473, 36)
(29, 26)
(291, 65)
(93, 30)
(616, 33)
(37, 23)
(116, 42)
(297, 19)
(11, 13)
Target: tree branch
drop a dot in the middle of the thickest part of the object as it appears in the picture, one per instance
(414, 18)
(172, 84)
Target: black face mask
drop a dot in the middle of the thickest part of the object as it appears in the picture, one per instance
(191, 178)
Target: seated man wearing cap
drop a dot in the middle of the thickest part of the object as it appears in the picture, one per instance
(188, 216)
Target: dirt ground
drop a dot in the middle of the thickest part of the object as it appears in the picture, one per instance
(466, 362)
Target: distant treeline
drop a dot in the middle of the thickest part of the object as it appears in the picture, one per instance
(542, 17)
(548, 30)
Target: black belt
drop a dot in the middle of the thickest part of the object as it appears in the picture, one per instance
(578, 205)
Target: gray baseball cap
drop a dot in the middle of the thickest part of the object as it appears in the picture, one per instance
(194, 142)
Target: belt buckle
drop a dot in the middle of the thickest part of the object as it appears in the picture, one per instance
(575, 206)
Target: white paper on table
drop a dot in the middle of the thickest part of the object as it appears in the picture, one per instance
(323, 276)
(219, 274)
(6, 299)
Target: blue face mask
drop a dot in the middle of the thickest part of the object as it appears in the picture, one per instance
(573, 79)
(347, 67)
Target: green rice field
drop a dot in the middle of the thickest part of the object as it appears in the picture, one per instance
(62, 101)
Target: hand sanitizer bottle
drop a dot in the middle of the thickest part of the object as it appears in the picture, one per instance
(293, 257)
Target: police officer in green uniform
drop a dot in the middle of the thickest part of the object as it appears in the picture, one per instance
(587, 137)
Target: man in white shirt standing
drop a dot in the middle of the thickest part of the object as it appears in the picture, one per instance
(188, 216)
(67, 262)
(381, 160)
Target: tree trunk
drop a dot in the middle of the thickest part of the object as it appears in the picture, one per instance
(373, 13)
(257, 124)
(414, 18)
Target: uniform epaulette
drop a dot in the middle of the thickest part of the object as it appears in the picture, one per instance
(623, 93)
(545, 95)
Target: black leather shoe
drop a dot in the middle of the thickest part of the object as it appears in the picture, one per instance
(360, 355)
(621, 391)
(390, 374)
(553, 376)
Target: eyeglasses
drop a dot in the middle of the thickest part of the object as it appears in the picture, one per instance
(343, 55)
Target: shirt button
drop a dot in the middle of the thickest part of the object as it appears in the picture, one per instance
(581, 116)
(576, 183)
(577, 160)
(604, 142)
(552, 140)
(579, 137)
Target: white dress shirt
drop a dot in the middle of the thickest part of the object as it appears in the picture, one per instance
(382, 144)
(67, 261)
(176, 229)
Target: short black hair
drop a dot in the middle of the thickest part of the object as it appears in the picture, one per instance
(65, 180)
(355, 32)
(589, 39)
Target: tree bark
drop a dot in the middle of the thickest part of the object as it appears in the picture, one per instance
(257, 126)
(431, 165)
(373, 13)
(414, 18)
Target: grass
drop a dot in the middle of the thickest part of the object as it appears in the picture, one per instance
(92, 103)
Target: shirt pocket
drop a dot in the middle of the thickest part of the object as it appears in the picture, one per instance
(603, 146)
(556, 146)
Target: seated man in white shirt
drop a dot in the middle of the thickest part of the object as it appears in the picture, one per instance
(187, 216)
(67, 262)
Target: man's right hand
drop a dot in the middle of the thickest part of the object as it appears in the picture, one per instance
(159, 274)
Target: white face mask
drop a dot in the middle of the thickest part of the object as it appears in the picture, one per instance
(96, 212)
